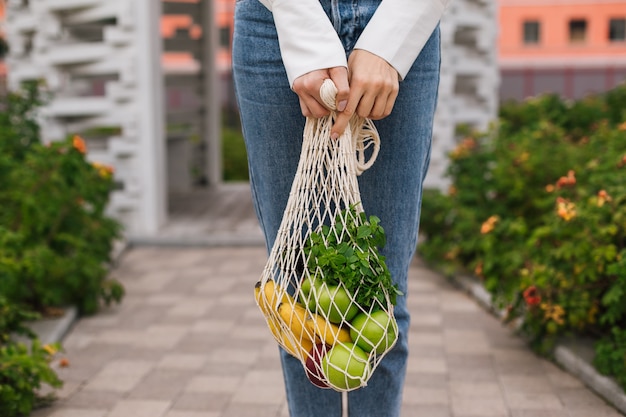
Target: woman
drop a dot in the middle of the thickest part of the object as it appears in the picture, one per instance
(383, 56)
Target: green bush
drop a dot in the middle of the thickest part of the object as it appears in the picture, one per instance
(55, 244)
(537, 211)
(55, 239)
(235, 159)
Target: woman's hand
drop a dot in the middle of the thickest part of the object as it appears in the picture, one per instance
(369, 88)
(373, 89)
(307, 87)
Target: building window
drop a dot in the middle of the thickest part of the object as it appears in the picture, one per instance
(577, 30)
(224, 36)
(617, 30)
(531, 32)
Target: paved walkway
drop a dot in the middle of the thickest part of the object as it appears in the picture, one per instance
(188, 341)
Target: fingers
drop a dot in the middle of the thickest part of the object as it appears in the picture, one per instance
(339, 76)
(368, 87)
(307, 87)
(373, 89)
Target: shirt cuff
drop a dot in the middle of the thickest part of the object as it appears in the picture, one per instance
(399, 30)
(306, 36)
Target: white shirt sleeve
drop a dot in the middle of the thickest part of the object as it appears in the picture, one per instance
(306, 36)
(397, 33)
(399, 30)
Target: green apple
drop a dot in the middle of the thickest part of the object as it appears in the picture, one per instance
(334, 303)
(306, 296)
(346, 366)
(375, 331)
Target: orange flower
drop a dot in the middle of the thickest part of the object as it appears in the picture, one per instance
(567, 181)
(79, 144)
(622, 126)
(489, 225)
(603, 197)
(550, 188)
(463, 149)
(565, 209)
(478, 271)
(531, 296)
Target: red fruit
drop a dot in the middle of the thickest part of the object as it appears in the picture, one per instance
(314, 367)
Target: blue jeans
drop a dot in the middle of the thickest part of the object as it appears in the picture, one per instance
(391, 189)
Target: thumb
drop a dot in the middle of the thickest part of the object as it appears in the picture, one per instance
(339, 76)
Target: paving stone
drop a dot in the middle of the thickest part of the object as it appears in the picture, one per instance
(79, 413)
(433, 338)
(426, 320)
(251, 410)
(460, 389)
(423, 379)
(422, 410)
(119, 376)
(576, 398)
(140, 408)
(178, 413)
(425, 396)
(204, 401)
(529, 384)
(533, 401)
(177, 361)
(160, 384)
(479, 406)
(534, 413)
(98, 400)
(595, 411)
(465, 341)
(427, 365)
(214, 384)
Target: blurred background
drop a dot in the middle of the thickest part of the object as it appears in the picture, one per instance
(149, 87)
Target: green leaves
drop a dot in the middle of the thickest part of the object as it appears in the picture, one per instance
(348, 253)
(22, 370)
(22, 374)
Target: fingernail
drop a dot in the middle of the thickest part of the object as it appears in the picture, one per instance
(342, 105)
(334, 135)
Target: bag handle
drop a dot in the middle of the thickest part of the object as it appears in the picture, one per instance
(364, 133)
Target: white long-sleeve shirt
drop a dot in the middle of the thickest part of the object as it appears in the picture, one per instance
(397, 33)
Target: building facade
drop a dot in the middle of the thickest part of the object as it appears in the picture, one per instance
(569, 47)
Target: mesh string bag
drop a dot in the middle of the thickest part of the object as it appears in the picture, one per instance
(325, 292)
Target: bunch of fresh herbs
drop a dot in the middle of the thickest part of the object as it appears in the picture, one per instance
(348, 252)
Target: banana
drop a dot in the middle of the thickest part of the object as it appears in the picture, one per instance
(300, 351)
(267, 296)
(328, 332)
(300, 342)
(259, 300)
(295, 316)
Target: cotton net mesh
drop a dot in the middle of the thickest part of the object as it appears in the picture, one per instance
(325, 290)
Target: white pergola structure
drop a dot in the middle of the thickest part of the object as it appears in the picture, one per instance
(101, 60)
